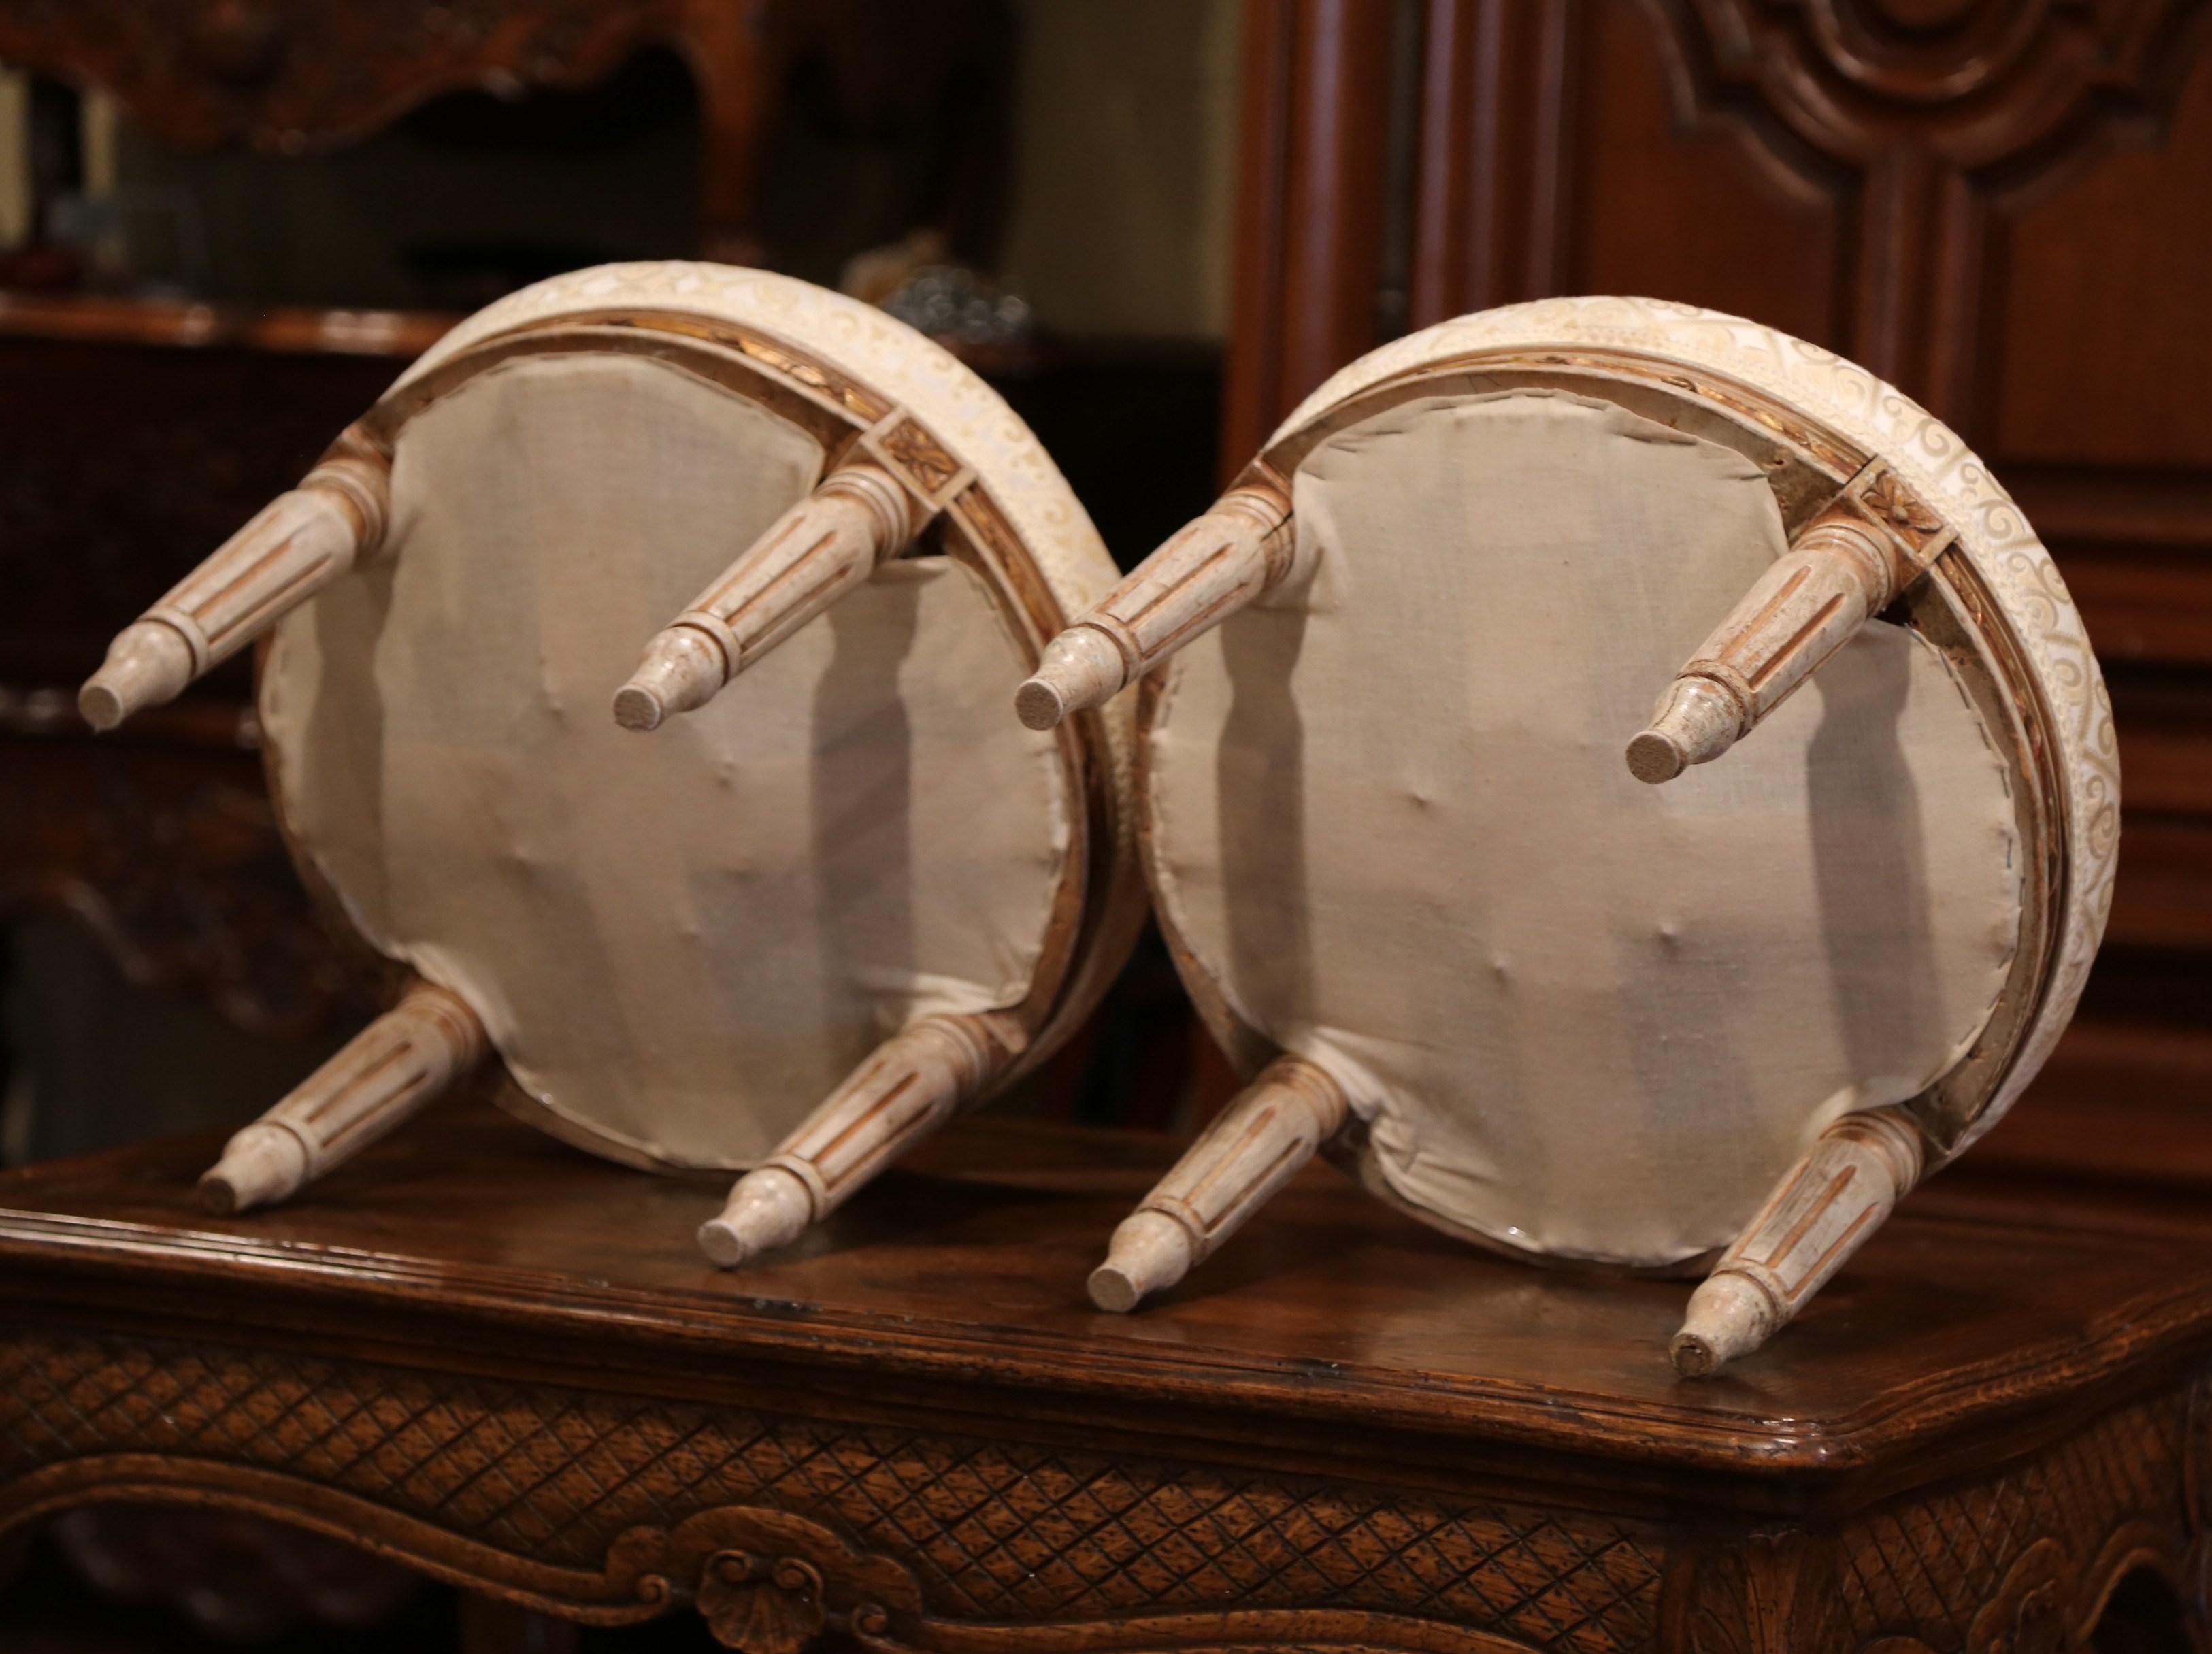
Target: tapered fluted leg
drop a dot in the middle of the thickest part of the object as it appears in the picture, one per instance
(1274, 1126)
(1834, 1198)
(386, 1074)
(1850, 562)
(912, 1084)
(298, 543)
(811, 555)
(1207, 571)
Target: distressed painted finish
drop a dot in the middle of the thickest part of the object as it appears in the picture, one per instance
(1887, 508)
(1326, 1459)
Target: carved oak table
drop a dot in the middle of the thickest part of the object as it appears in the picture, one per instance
(479, 1352)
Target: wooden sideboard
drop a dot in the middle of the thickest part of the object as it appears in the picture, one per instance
(2004, 207)
(482, 1354)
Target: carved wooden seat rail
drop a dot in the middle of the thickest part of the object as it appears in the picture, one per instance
(476, 1351)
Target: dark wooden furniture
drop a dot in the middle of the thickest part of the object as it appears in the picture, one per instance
(481, 1353)
(2003, 207)
(139, 436)
(293, 77)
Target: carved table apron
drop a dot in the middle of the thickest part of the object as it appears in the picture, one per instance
(481, 1353)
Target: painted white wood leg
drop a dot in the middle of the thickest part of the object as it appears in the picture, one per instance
(811, 555)
(1204, 573)
(911, 1085)
(386, 1073)
(1833, 1200)
(1800, 611)
(297, 545)
(1274, 1126)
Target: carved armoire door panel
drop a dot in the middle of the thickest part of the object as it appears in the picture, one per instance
(1866, 174)
(1676, 201)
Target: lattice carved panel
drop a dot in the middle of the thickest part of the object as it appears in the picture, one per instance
(988, 1531)
(1961, 1567)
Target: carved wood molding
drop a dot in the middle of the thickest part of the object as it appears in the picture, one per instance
(1927, 108)
(1911, 125)
(2020, 1562)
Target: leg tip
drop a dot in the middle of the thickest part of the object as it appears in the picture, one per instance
(1694, 1355)
(769, 1207)
(1730, 1315)
(638, 708)
(1113, 1291)
(1082, 667)
(683, 668)
(1695, 722)
(101, 707)
(1038, 705)
(725, 1248)
(1150, 1251)
(219, 1194)
(1653, 758)
(149, 663)
(262, 1164)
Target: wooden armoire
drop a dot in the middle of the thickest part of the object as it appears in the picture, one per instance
(2003, 206)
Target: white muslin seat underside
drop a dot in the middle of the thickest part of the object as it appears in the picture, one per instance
(1585, 1016)
(678, 942)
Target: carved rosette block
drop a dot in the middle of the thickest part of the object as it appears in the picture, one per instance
(386, 1073)
(1848, 564)
(297, 545)
(912, 1084)
(1836, 1197)
(1257, 1144)
(1246, 545)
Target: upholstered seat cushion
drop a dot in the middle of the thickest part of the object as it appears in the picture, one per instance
(1585, 1017)
(679, 943)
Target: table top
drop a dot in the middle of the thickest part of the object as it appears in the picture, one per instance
(962, 1272)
